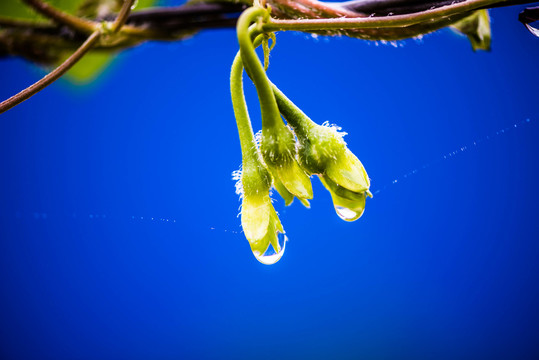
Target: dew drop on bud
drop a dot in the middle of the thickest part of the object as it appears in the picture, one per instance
(270, 257)
(347, 214)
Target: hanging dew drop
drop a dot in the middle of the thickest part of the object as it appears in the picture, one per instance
(270, 256)
(347, 214)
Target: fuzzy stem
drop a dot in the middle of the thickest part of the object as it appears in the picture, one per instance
(247, 142)
(295, 117)
(376, 22)
(268, 106)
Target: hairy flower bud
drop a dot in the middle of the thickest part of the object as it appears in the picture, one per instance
(278, 149)
(322, 151)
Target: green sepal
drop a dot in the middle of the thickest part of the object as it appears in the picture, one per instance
(344, 198)
(260, 246)
(281, 189)
(294, 179)
(348, 172)
(287, 196)
(305, 203)
(477, 28)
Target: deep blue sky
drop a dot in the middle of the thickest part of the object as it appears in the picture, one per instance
(444, 263)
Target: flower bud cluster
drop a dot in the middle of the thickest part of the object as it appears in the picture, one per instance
(322, 151)
(286, 155)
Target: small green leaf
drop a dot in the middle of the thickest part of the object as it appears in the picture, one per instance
(477, 28)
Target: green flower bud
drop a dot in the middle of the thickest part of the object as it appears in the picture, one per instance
(259, 221)
(255, 214)
(260, 247)
(322, 149)
(278, 149)
(255, 178)
(262, 227)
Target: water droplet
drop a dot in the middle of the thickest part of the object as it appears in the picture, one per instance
(347, 214)
(270, 257)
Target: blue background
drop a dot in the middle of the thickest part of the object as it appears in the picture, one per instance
(118, 218)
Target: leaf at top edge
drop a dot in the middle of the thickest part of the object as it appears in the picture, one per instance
(18, 10)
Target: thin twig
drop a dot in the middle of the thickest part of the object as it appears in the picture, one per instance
(70, 61)
(52, 76)
(86, 26)
(122, 16)
(63, 18)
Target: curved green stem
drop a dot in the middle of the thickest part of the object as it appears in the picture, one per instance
(247, 142)
(270, 112)
(295, 117)
(376, 22)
